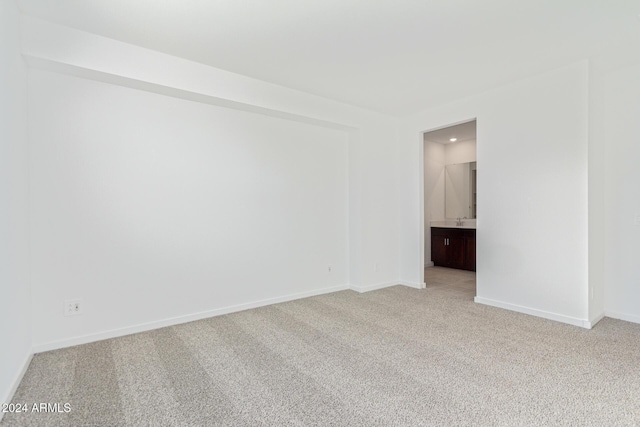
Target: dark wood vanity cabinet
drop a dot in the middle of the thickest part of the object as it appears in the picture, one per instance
(454, 248)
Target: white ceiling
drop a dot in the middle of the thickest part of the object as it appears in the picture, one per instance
(392, 56)
(462, 132)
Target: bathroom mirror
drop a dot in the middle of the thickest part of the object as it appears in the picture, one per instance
(460, 190)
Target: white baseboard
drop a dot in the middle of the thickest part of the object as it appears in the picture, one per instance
(415, 285)
(428, 264)
(383, 285)
(142, 327)
(595, 320)
(16, 381)
(583, 323)
(622, 316)
(373, 287)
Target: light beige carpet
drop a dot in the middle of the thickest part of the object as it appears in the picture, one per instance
(392, 357)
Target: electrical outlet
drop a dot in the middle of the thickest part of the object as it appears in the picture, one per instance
(73, 307)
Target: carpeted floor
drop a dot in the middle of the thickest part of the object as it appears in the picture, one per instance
(392, 357)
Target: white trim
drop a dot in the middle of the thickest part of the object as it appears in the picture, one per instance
(142, 327)
(595, 320)
(429, 264)
(421, 206)
(16, 381)
(583, 323)
(374, 287)
(622, 316)
(367, 288)
(415, 285)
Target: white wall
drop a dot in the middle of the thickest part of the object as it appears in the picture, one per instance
(434, 162)
(622, 194)
(15, 319)
(532, 193)
(460, 152)
(150, 207)
(373, 222)
(125, 219)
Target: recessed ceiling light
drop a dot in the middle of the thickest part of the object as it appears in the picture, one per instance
(453, 139)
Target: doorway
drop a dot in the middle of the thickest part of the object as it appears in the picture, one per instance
(450, 174)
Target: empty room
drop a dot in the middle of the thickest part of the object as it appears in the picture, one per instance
(319, 213)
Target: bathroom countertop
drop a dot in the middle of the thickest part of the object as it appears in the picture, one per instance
(468, 224)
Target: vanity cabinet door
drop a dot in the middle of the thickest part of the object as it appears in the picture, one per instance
(439, 249)
(453, 248)
(470, 255)
(456, 251)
